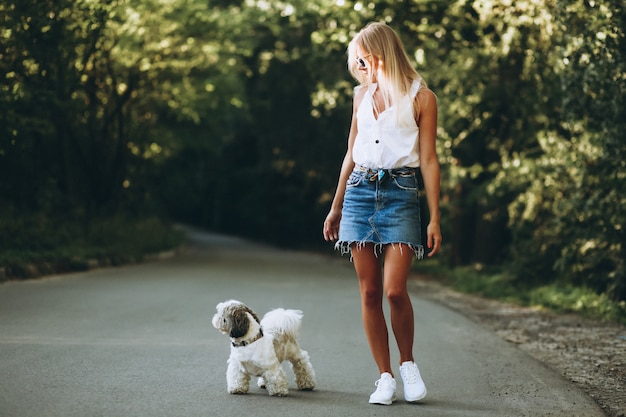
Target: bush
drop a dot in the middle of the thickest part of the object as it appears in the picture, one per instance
(35, 245)
(578, 300)
(560, 296)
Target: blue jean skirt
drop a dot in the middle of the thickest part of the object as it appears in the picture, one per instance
(381, 207)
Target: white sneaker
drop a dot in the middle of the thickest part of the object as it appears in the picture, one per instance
(385, 390)
(414, 388)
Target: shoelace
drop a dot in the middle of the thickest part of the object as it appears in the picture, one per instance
(409, 374)
(380, 384)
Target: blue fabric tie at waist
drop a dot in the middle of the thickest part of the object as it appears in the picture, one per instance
(380, 173)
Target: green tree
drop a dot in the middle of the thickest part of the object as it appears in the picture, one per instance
(234, 115)
(571, 218)
(67, 116)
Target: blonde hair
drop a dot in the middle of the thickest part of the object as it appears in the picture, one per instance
(395, 73)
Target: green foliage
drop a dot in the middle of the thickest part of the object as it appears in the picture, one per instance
(492, 282)
(580, 300)
(570, 217)
(497, 283)
(34, 245)
(234, 116)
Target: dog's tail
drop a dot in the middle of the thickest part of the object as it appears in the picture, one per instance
(282, 321)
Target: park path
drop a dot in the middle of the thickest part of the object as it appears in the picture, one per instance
(137, 341)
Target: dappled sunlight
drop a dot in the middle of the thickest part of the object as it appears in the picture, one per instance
(177, 106)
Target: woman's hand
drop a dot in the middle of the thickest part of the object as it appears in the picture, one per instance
(433, 240)
(331, 225)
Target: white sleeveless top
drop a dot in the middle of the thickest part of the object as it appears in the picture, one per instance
(389, 141)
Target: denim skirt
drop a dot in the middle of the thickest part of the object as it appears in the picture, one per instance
(381, 207)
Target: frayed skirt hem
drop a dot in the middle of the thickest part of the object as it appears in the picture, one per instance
(345, 247)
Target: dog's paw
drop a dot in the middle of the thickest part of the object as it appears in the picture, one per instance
(279, 393)
(305, 384)
(260, 382)
(238, 391)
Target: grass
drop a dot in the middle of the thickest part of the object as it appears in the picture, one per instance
(31, 247)
(496, 283)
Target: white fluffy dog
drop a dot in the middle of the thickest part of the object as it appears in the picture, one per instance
(259, 347)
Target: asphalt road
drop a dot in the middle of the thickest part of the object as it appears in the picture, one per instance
(137, 341)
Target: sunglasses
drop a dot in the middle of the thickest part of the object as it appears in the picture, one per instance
(362, 63)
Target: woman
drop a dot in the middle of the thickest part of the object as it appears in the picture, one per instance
(375, 213)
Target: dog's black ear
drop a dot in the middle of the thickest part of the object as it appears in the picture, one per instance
(240, 323)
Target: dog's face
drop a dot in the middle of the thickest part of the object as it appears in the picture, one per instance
(233, 318)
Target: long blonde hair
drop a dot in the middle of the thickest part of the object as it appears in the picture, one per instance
(395, 73)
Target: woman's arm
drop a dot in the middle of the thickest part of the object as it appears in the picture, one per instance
(429, 164)
(331, 224)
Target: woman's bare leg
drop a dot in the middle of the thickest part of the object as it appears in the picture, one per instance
(368, 269)
(398, 260)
